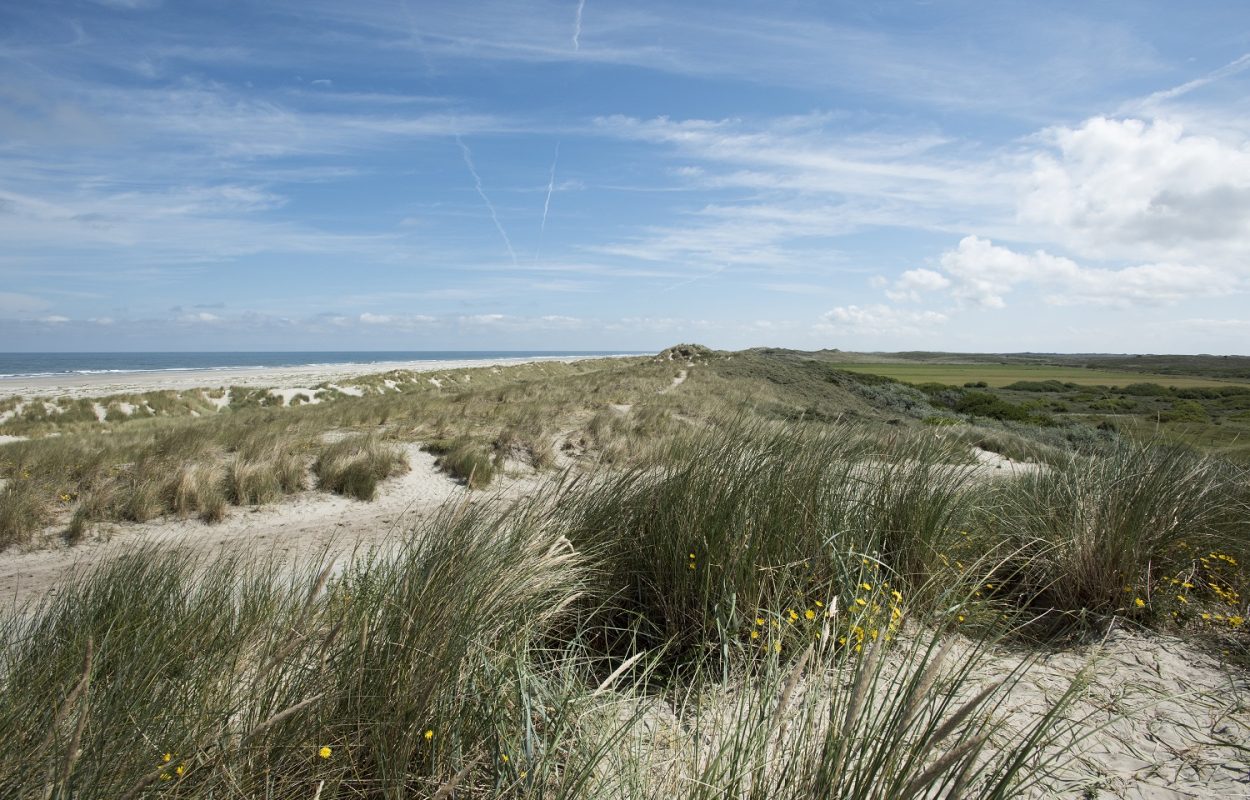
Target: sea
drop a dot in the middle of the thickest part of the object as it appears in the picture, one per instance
(22, 365)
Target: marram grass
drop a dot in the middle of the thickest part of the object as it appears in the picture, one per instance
(525, 651)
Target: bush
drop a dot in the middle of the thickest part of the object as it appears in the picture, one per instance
(984, 404)
(1185, 411)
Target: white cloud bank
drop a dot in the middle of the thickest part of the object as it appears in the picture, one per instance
(1149, 191)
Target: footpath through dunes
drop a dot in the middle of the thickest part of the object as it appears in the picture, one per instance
(312, 521)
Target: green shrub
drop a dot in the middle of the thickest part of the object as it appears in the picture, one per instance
(1185, 411)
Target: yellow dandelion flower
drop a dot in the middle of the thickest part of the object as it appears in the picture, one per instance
(429, 735)
(759, 621)
(165, 759)
(690, 565)
(819, 604)
(755, 634)
(776, 647)
(897, 595)
(1235, 621)
(325, 751)
(180, 770)
(1206, 617)
(809, 614)
(692, 555)
(859, 601)
(962, 617)
(1182, 598)
(867, 587)
(793, 614)
(1140, 603)
(503, 757)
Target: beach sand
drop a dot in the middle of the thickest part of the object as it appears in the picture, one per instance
(99, 385)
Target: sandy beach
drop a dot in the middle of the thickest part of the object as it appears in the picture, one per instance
(99, 385)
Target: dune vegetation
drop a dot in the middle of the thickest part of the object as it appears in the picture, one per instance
(748, 575)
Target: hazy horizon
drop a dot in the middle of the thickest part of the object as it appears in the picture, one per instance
(391, 176)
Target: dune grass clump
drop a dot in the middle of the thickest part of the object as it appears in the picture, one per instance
(1101, 535)
(23, 511)
(465, 460)
(354, 466)
(765, 523)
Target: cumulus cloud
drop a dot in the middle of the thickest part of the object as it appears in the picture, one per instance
(1141, 190)
(981, 273)
(877, 320)
(915, 282)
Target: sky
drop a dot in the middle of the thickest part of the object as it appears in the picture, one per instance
(592, 175)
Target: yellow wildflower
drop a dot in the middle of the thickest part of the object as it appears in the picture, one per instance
(867, 587)
(1140, 603)
(809, 614)
(755, 634)
(325, 751)
(859, 601)
(429, 735)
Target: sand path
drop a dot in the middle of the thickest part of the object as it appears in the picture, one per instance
(304, 524)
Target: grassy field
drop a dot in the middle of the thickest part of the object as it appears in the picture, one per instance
(752, 574)
(999, 375)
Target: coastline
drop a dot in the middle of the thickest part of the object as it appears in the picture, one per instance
(307, 375)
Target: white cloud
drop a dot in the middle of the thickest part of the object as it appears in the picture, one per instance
(1146, 191)
(879, 320)
(982, 274)
(915, 282)
(54, 319)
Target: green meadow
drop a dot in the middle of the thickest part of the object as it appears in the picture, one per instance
(999, 375)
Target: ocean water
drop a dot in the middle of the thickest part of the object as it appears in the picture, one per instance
(14, 365)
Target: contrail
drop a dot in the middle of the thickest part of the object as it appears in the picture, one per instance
(551, 186)
(1231, 68)
(477, 181)
(577, 25)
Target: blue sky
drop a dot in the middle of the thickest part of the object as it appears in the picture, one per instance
(317, 174)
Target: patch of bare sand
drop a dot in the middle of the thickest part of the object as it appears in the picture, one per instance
(1154, 718)
(306, 523)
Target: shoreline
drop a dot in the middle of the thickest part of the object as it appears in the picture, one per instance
(78, 385)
